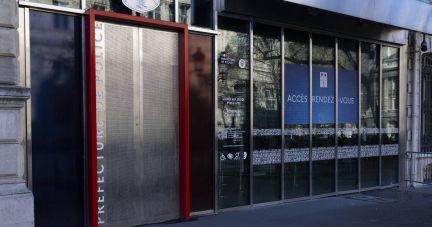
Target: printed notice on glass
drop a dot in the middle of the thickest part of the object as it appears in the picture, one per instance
(234, 111)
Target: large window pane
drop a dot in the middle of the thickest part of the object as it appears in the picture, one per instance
(266, 113)
(64, 3)
(296, 119)
(233, 112)
(115, 6)
(323, 114)
(369, 133)
(196, 12)
(201, 122)
(390, 116)
(57, 119)
(348, 96)
(165, 11)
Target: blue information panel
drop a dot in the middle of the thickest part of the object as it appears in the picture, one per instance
(323, 95)
(348, 96)
(296, 94)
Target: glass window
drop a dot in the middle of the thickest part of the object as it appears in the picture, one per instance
(369, 133)
(165, 11)
(390, 116)
(348, 97)
(65, 3)
(196, 12)
(233, 110)
(116, 6)
(267, 124)
(296, 119)
(57, 119)
(323, 114)
(201, 122)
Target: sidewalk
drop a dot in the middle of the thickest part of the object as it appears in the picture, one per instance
(392, 207)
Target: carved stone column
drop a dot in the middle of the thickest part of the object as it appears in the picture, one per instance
(16, 200)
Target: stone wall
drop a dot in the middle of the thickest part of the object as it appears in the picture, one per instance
(16, 200)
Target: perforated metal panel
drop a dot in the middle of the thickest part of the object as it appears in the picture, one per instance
(119, 148)
(137, 72)
(161, 124)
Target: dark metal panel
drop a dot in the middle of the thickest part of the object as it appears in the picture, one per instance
(56, 118)
(300, 15)
(412, 15)
(201, 122)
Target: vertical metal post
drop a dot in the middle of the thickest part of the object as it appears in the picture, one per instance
(176, 11)
(83, 4)
(359, 119)
(310, 115)
(251, 111)
(215, 122)
(84, 114)
(28, 102)
(399, 112)
(380, 112)
(283, 114)
(336, 114)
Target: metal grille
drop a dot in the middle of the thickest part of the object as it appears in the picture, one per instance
(121, 189)
(426, 106)
(160, 125)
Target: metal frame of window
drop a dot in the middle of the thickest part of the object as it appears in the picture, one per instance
(402, 102)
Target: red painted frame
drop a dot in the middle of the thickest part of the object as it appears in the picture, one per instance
(91, 15)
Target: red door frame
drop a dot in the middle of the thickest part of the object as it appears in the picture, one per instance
(91, 15)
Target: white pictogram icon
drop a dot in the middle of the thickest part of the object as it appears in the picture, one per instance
(222, 158)
(237, 156)
(230, 156)
(244, 155)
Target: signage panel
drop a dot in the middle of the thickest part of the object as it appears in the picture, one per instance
(323, 95)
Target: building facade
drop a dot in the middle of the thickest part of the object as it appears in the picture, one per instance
(113, 117)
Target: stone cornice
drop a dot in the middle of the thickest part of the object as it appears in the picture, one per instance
(13, 97)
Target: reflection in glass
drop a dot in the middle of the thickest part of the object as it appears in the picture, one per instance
(57, 119)
(266, 114)
(296, 151)
(65, 3)
(369, 133)
(323, 114)
(201, 123)
(165, 11)
(233, 112)
(196, 12)
(390, 116)
(115, 6)
(348, 96)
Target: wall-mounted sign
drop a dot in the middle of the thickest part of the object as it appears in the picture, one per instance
(141, 6)
(242, 63)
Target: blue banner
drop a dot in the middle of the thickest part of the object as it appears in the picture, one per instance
(348, 96)
(323, 95)
(296, 94)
